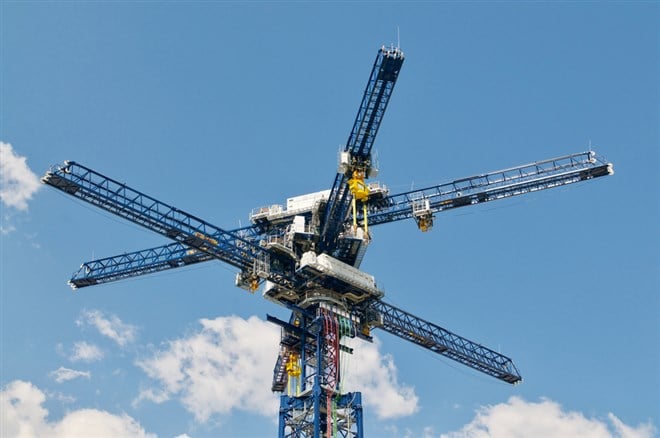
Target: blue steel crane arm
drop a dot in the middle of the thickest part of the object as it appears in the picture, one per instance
(133, 264)
(360, 141)
(442, 341)
(374, 102)
(147, 261)
(467, 191)
(121, 200)
(492, 186)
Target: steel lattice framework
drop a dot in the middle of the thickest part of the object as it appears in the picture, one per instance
(306, 258)
(372, 109)
(460, 193)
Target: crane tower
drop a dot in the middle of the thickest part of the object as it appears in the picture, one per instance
(306, 257)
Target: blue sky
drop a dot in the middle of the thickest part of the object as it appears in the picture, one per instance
(220, 107)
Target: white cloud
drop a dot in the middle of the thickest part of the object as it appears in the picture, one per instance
(155, 395)
(110, 326)
(22, 415)
(228, 365)
(85, 352)
(64, 374)
(622, 430)
(375, 375)
(17, 182)
(520, 418)
(225, 366)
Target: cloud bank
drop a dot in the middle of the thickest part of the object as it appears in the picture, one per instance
(518, 418)
(17, 182)
(228, 365)
(22, 414)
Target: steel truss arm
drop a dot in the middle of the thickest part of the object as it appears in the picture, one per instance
(446, 343)
(374, 102)
(186, 229)
(492, 186)
(147, 261)
(136, 263)
(370, 114)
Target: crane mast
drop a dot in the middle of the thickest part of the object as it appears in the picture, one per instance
(306, 257)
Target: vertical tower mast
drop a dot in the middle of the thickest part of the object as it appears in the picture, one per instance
(318, 407)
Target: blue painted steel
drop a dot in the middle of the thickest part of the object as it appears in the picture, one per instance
(136, 263)
(445, 343)
(117, 198)
(147, 261)
(370, 114)
(292, 337)
(121, 200)
(492, 186)
(374, 102)
(307, 414)
(305, 427)
(555, 172)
